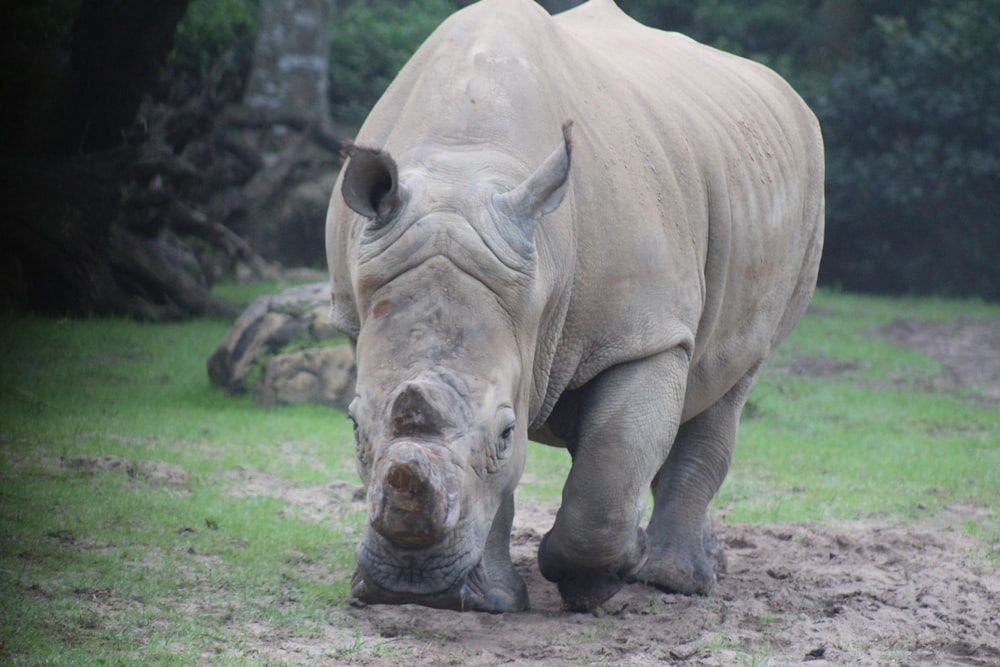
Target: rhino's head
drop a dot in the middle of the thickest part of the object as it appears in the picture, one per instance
(443, 268)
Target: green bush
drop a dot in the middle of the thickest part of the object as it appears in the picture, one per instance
(39, 22)
(214, 42)
(371, 41)
(210, 29)
(912, 131)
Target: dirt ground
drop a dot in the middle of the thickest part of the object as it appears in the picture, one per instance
(857, 594)
(853, 593)
(969, 351)
(849, 594)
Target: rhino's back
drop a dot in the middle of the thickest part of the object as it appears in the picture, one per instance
(706, 181)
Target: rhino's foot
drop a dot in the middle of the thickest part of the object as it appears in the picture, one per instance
(686, 569)
(494, 588)
(585, 588)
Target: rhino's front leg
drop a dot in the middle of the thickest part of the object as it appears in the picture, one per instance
(623, 425)
(503, 590)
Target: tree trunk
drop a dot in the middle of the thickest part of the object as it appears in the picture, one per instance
(291, 58)
(74, 246)
(286, 97)
(57, 215)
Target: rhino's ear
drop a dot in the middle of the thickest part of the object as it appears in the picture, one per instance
(543, 191)
(371, 183)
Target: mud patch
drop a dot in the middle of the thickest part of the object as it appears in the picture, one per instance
(315, 504)
(968, 350)
(854, 593)
(817, 367)
(823, 367)
(155, 473)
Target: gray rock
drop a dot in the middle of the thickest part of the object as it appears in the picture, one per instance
(317, 375)
(299, 316)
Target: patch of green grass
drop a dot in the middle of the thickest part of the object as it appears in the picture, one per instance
(106, 562)
(741, 653)
(881, 439)
(544, 474)
(91, 556)
(103, 561)
(141, 391)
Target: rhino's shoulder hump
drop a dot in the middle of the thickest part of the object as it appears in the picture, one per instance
(599, 12)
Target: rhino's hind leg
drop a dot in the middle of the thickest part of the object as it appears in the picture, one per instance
(684, 555)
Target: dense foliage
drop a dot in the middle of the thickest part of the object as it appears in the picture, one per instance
(913, 140)
(370, 43)
(213, 30)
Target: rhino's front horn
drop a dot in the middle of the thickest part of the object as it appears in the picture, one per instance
(412, 503)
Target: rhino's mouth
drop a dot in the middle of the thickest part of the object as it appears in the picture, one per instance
(447, 576)
(469, 593)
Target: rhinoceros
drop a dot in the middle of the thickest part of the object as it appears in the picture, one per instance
(578, 230)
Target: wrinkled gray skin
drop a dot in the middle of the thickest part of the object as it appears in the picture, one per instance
(614, 289)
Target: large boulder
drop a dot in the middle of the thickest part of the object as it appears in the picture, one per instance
(288, 337)
(316, 375)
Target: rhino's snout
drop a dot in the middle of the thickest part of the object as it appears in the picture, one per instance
(414, 501)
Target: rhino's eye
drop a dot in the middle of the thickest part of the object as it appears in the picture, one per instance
(503, 445)
(350, 414)
(506, 424)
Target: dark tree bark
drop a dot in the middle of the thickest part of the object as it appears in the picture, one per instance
(117, 48)
(74, 245)
(64, 165)
(74, 241)
(115, 203)
(57, 215)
